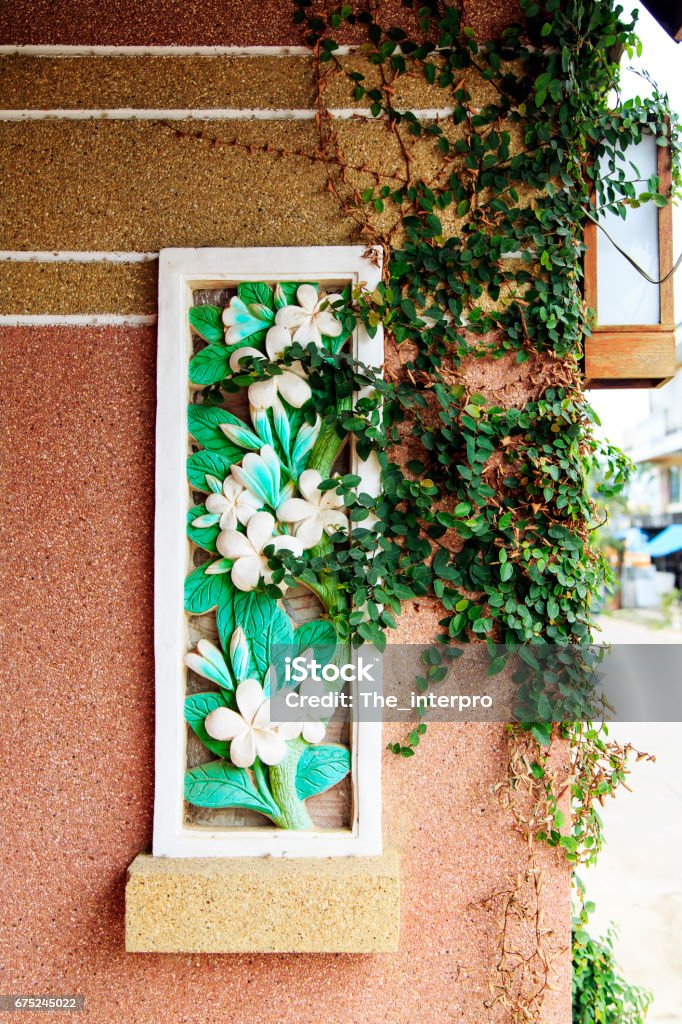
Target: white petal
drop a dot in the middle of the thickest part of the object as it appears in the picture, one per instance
(290, 316)
(289, 730)
(228, 520)
(249, 699)
(262, 393)
(245, 510)
(309, 532)
(308, 484)
(196, 664)
(293, 389)
(270, 747)
(243, 749)
(327, 324)
(308, 332)
(224, 724)
(242, 353)
(331, 499)
(334, 520)
(231, 488)
(307, 297)
(217, 503)
(288, 543)
(314, 732)
(231, 544)
(331, 298)
(277, 341)
(211, 651)
(267, 454)
(261, 720)
(260, 528)
(247, 499)
(246, 572)
(297, 368)
(222, 565)
(237, 640)
(294, 510)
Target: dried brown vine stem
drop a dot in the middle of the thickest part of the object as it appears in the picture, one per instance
(526, 947)
(200, 135)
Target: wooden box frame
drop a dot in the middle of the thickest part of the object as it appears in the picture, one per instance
(180, 272)
(631, 355)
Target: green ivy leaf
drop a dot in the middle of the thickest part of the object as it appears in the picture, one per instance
(220, 784)
(320, 768)
(208, 322)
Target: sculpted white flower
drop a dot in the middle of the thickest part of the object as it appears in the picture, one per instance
(246, 550)
(311, 728)
(309, 320)
(250, 732)
(291, 384)
(235, 504)
(316, 513)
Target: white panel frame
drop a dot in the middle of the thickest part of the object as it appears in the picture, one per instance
(180, 272)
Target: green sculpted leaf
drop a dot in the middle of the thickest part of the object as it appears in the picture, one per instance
(264, 625)
(320, 768)
(220, 784)
(256, 291)
(204, 536)
(205, 591)
(320, 633)
(321, 636)
(285, 292)
(210, 365)
(197, 707)
(216, 464)
(225, 619)
(204, 425)
(208, 322)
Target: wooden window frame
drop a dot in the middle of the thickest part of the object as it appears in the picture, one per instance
(633, 355)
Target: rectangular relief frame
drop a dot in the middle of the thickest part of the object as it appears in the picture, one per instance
(181, 272)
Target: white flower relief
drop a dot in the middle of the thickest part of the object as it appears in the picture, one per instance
(309, 321)
(291, 384)
(317, 512)
(234, 504)
(250, 732)
(246, 550)
(311, 728)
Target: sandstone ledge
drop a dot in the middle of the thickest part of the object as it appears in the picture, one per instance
(263, 905)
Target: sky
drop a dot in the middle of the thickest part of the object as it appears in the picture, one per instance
(620, 410)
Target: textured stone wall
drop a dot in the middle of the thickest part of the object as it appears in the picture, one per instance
(78, 517)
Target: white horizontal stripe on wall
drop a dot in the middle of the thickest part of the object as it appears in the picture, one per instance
(211, 114)
(76, 320)
(67, 256)
(56, 50)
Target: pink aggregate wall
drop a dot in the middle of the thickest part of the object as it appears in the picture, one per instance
(78, 453)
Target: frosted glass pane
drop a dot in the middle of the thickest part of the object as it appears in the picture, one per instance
(624, 296)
